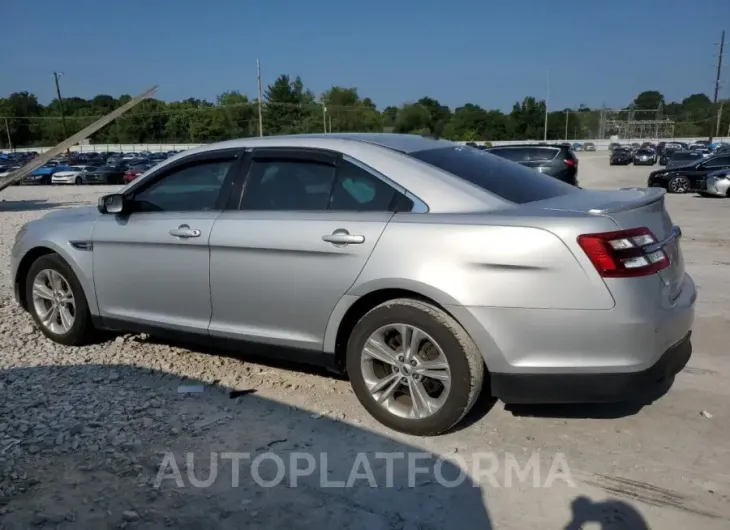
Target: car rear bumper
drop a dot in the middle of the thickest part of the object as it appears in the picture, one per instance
(528, 351)
(591, 388)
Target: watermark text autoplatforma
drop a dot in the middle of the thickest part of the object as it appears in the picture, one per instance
(377, 470)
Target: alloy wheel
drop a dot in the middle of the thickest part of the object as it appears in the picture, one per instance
(406, 371)
(53, 301)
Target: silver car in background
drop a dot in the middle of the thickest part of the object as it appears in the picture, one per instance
(717, 184)
(73, 175)
(426, 270)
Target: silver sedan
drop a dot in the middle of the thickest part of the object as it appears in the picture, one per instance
(426, 270)
(717, 184)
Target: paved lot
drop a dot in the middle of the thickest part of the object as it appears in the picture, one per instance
(83, 431)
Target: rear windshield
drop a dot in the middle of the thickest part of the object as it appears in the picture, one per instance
(516, 154)
(501, 177)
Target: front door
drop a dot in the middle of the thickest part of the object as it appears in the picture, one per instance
(305, 228)
(151, 266)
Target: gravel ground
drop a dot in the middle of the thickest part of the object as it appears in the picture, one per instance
(84, 431)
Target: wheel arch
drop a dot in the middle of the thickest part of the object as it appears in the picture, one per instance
(44, 249)
(355, 304)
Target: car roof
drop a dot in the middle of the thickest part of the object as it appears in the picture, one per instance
(405, 143)
(522, 146)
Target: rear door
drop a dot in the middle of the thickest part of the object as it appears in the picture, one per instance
(293, 244)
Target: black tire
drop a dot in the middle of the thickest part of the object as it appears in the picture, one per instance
(82, 331)
(678, 185)
(79, 181)
(465, 364)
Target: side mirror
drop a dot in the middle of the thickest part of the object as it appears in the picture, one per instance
(113, 203)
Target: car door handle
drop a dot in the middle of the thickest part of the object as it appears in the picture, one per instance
(343, 237)
(185, 232)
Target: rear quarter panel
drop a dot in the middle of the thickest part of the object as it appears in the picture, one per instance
(483, 263)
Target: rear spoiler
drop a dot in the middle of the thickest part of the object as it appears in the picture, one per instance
(649, 196)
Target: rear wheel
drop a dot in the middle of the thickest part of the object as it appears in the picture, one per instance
(413, 367)
(57, 303)
(678, 185)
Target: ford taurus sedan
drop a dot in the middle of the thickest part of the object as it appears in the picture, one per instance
(426, 270)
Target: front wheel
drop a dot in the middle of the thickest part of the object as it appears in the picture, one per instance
(79, 181)
(679, 185)
(57, 303)
(413, 367)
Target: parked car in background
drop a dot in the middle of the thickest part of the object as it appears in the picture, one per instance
(358, 265)
(700, 148)
(7, 170)
(105, 175)
(73, 175)
(577, 146)
(682, 158)
(644, 157)
(666, 151)
(558, 161)
(635, 146)
(621, 156)
(43, 175)
(612, 146)
(135, 171)
(589, 146)
(691, 177)
(717, 184)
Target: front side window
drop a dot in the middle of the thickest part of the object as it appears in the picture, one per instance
(193, 188)
(280, 184)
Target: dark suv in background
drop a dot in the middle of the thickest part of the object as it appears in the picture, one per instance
(558, 161)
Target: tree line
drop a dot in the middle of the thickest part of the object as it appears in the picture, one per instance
(289, 107)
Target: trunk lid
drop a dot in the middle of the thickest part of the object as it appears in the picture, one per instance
(632, 208)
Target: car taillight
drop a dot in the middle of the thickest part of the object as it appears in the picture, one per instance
(570, 162)
(624, 254)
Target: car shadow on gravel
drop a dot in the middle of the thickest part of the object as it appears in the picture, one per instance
(481, 408)
(114, 446)
(30, 205)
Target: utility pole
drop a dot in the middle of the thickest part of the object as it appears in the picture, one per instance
(567, 113)
(324, 115)
(261, 112)
(719, 118)
(717, 83)
(330, 116)
(56, 75)
(547, 97)
(7, 131)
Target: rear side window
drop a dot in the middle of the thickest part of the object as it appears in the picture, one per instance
(494, 174)
(288, 185)
(357, 190)
(515, 154)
